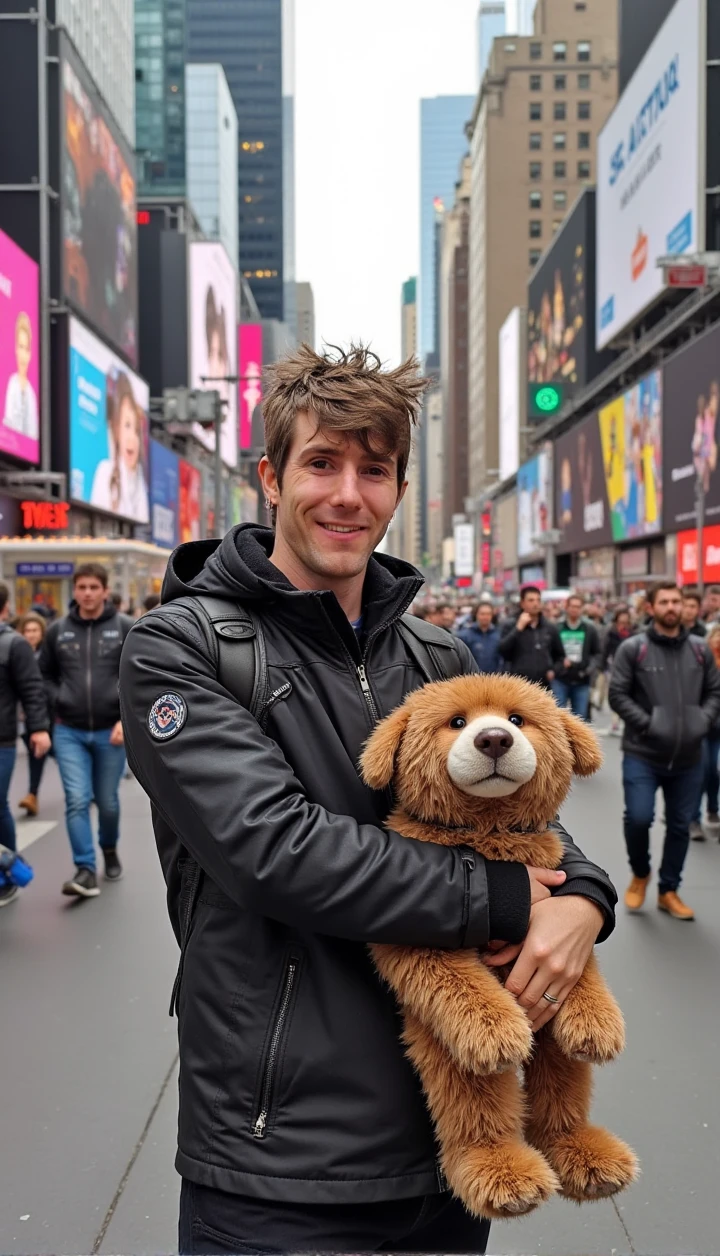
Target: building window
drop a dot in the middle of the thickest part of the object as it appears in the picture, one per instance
(535, 140)
(560, 82)
(535, 51)
(583, 170)
(535, 228)
(559, 170)
(560, 50)
(583, 110)
(536, 82)
(559, 110)
(583, 50)
(536, 170)
(583, 82)
(583, 139)
(509, 47)
(559, 200)
(559, 140)
(534, 257)
(557, 223)
(580, 6)
(535, 111)
(536, 200)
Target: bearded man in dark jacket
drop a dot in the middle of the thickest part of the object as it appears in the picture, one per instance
(302, 1126)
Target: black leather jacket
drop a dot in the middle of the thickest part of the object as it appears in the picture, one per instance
(20, 682)
(667, 690)
(80, 663)
(293, 1080)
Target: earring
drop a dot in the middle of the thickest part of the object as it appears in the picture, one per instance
(268, 504)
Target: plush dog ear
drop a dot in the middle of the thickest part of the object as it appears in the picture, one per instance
(587, 756)
(377, 761)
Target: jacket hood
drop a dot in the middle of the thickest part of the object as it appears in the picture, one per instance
(670, 643)
(239, 568)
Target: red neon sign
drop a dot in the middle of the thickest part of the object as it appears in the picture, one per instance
(45, 516)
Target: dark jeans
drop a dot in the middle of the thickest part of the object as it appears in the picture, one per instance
(578, 696)
(680, 786)
(213, 1222)
(711, 778)
(90, 769)
(7, 824)
(36, 767)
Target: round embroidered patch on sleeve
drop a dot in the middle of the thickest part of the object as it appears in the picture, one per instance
(167, 715)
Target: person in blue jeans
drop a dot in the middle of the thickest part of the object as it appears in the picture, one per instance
(80, 663)
(581, 643)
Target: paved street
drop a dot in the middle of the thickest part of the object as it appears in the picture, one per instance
(88, 1056)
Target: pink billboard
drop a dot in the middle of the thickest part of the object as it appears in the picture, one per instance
(250, 383)
(19, 353)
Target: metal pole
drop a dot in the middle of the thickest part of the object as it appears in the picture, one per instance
(700, 506)
(219, 521)
(43, 179)
(550, 568)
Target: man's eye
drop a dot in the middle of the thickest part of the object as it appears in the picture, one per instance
(320, 463)
(458, 721)
(517, 720)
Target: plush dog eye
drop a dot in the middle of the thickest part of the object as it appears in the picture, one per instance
(517, 720)
(458, 721)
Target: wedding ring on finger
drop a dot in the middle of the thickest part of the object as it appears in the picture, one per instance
(549, 998)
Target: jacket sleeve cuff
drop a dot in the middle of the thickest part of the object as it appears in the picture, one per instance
(508, 901)
(597, 894)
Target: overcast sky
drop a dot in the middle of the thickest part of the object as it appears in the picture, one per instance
(362, 68)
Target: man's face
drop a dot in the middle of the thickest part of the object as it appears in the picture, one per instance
(573, 606)
(667, 609)
(484, 615)
(90, 594)
(531, 604)
(447, 617)
(690, 610)
(336, 500)
(712, 601)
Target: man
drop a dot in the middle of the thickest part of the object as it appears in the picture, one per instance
(531, 645)
(482, 637)
(691, 613)
(80, 661)
(581, 643)
(302, 1126)
(666, 688)
(20, 682)
(442, 615)
(711, 605)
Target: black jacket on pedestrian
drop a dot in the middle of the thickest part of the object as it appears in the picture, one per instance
(20, 682)
(667, 690)
(584, 641)
(698, 629)
(80, 663)
(611, 645)
(294, 1084)
(532, 652)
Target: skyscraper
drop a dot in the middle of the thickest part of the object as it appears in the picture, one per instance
(442, 145)
(305, 306)
(212, 154)
(490, 25)
(519, 16)
(103, 35)
(160, 97)
(246, 38)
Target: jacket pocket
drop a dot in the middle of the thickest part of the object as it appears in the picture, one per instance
(663, 728)
(695, 725)
(275, 1044)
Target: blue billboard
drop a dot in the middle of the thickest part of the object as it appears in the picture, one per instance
(164, 495)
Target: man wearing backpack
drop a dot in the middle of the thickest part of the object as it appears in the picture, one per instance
(666, 687)
(302, 1126)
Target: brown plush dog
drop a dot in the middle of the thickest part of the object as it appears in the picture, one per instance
(485, 762)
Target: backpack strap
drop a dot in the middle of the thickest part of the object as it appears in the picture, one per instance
(237, 643)
(433, 649)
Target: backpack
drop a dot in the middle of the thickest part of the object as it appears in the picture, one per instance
(642, 645)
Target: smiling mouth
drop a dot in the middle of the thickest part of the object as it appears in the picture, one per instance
(339, 529)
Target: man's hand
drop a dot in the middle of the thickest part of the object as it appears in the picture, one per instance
(543, 881)
(553, 956)
(117, 737)
(549, 675)
(567, 663)
(522, 621)
(41, 744)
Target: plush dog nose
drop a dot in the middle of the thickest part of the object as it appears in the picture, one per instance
(494, 742)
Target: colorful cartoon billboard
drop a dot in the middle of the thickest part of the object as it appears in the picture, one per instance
(19, 353)
(534, 497)
(631, 438)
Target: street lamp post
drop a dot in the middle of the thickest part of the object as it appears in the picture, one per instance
(549, 541)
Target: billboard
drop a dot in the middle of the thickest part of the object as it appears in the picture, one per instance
(213, 337)
(99, 220)
(19, 353)
(692, 394)
(190, 502)
(108, 429)
(250, 357)
(650, 172)
(534, 497)
(581, 505)
(509, 406)
(164, 495)
(631, 437)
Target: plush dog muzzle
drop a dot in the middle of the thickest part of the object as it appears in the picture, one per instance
(491, 758)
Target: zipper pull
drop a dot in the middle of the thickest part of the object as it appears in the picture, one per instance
(259, 1127)
(364, 685)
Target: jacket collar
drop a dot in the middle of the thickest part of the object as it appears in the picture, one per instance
(669, 643)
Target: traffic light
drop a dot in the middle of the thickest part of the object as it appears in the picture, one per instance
(545, 400)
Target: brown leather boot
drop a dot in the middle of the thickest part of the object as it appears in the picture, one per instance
(635, 893)
(674, 906)
(30, 804)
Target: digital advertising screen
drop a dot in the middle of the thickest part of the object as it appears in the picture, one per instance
(692, 398)
(108, 429)
(164, 495)
(214, 338)
(190, 503)
(534, 501)
(250, 351)
(19, 353)
(581, 505)
(99, 220)
(632, 449)
(557, 307)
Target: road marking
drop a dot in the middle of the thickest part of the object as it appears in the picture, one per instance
(29, 831)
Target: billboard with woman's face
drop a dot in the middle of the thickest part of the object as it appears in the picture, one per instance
(190, 502)
(19, 353)
(99, 219)
(108, 429)
(213, 338)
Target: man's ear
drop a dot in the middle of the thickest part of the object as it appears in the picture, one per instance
(587, 755)
(377, 761)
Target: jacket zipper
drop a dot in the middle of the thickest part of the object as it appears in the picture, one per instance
(187, 917)
(367, 692)
(266, 1093)
(676, 751)
(468, 868)
(88, 675)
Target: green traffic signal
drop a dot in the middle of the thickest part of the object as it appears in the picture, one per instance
(545, 400)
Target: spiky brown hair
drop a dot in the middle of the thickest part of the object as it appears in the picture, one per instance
(347, 391)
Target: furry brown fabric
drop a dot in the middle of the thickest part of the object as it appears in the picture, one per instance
(504, 1148)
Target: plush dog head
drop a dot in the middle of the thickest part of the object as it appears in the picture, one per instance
(481, 751)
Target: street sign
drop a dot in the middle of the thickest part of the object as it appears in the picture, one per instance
(689, 270)
(545, 400)
(686, 275)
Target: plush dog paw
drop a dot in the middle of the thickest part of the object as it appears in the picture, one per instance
(490, 1043)
(594, 1034)
(591, 1163)
(501, 1180)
